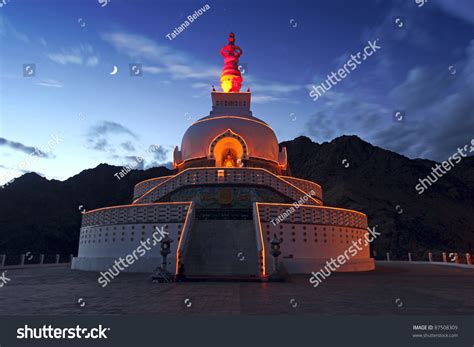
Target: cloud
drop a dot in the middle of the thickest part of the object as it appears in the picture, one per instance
(263, 99)
(134, 162)
(180, 65)
(50, 83)
(99, 136)
(81, 55)
(273, 87)
(170, 61)
(128, 146)
(8, 30)
(360, 117)
(459, 9)
(154, 156)
(92, 61)
(24, 148)
(271, 91)
(159, 156)
(101, 145)
(262, 92)
(201, 85)
(107, 127)
(439, 111)
(65, 58)
(11, 169)
(160, 153)
(154, 70)
(409, 73)
(441, 115)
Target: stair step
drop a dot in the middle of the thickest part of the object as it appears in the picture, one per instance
(214, 245)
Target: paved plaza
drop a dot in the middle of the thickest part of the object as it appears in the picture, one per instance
(393, 288)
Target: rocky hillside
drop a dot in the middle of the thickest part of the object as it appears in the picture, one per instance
(38, 215)
(376, 181)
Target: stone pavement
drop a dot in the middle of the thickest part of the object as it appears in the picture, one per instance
(392, 289)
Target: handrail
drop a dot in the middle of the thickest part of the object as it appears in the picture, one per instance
(126, 214)
(234, 177)
(142, 187)
(185, 235)
(259, 237)
(334, 215)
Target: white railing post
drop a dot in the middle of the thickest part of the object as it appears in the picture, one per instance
(22, 261)
(430, 257)
(409, 256)
(41, 259)
(4, 257)
(57, 258)
(388, 256)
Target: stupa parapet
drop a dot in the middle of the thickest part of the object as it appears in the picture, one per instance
(231, 104)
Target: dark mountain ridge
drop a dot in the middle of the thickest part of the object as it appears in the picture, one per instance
(40, 215)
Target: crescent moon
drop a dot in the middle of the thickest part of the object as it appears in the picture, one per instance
(114, 72)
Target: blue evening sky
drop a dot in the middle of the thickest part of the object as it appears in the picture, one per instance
(425, 68)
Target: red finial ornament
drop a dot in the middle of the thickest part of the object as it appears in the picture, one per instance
(231, 79)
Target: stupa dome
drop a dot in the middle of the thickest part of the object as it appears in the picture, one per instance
(259, 138)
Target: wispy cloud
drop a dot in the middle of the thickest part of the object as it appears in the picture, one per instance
(439, 113)
(8, 30)
(16, 169)
(128, 146)
(153, 69)
(92, 61)
(200, 85)
(176, 63)
(81, 55)
(107, 127)
(23, 148)
(179, 65)
(462, 9)
(153, 156)
(99, 136)
(272, 87)
(160, 154)
(263, 99)
(50, 83)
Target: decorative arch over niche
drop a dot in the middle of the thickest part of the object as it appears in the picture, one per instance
(228, 141)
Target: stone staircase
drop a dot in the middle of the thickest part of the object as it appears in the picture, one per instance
(221, 249)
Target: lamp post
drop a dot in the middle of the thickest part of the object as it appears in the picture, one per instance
(275, 252)
(165, 250)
